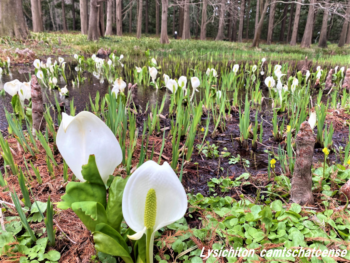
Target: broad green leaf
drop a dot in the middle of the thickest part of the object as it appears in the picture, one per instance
(108, 230)
(42, 206)
(90, 213)
(114, 205)
(277, 206)
(105, 258)
(53, 255)
(13, 225)
(91, 190)
(5, 238)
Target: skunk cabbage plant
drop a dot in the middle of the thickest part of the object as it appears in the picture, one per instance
(153, 198)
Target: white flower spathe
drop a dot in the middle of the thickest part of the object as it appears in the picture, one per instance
(153, 73)
(166, 78)
(154, 61)
(270, 82)
(118, 86)
(312, 119)
(40, 75)
(182, 81)
(138, 70)
(83, 135)
(37, 64)
(172, 85)
(254, 68)
(64, 91)
(235, 68)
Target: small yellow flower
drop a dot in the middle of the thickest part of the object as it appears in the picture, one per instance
(325, 151)
(348, 162)
(288, 128)
(202, 130)
(273, 162)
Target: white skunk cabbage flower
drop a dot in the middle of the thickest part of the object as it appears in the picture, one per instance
(0, 71)
(118, 86)
(312, 119)
(153, 198)
(270, 82)
(195, 84)
(212, 71)
(263, 60)
(42, 64)
(8, 62)
(307, 75)
(37, 64)
(153, 73)
(336, 69)
(85, 134)
(40, 75)
(64, 91)
(24, 91)
(48, 62)
(218, 94)
(319, 74)
(172, 85)
(154, 61)
(342, 69)
(166, 78)
(182, 81)
(138, 70)
(11, 87)
(235, 68)
(109, 62)
(76, 56)
(279, 85)
(60, 60)
(262, 73)
(254, 68)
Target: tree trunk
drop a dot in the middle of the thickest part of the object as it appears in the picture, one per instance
(119, 17)
(146, 17)
(257, 14)
(307, 37)
(102, 19)
(84, 16)
(51, 15)
(220, 35)
(234, 20)
(164, 30)
(260, 26)
(290, 22)
(174, 13)
(197, 24)
(139, 20)
(157, 17)
(323, 36)
(283, 24)
(301, 190)
(73, 14)
(12, 27)
(41, 16)
(247, 21)
(204, 20)
(348, 36)
(64, 21)
(94, 23)
(271, 22)
(241, 19)
(293, 41)
(130, 20)
(109, 24)
(181, 20)
(186, 34)
(36, 16)
(345, 28)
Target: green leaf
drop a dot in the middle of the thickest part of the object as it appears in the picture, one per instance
(90, 213)
(108, 245)
(53, 255)
(91, 190)
(105, 258)
(114, 205)
(13, 225)
(5, 238)
(277, 206)
(34, 208)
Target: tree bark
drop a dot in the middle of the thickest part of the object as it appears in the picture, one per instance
(39, 122)
(307, 37)
(146, 17)
(164, 27)
(181, 20)
(186, 34)
(257, 13)
(41, 15)
(260, 26)
(64, 21)
(84, 17)
(220, 35)
(293, 41)
(241, 21)
(290, 22)
(139, 20)
(101, 19)
(283, 24)
(345, 28)
(51, 15)
(130, 20)
(247, 21)
(271, 22)
(36, 18)
(204, 20)
(301, 190)
(157, 17)
(109, 24)
(94, 23)
(12, 27)
(73, 14)
(323, 36)
(119, 17)
(348, 36)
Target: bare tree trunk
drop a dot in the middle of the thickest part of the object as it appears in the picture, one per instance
(174, 13)
(241, 21)
(130, 20)
(139, 20)
(12, 27)
(293, 41)
(36, 15)
(271, 22)
(257, 13)
(234, 20)
(345, 27)
(323, 36)
(64, 21)
(220, 35)
(247, 21)
(181, 20)
(260, 26)
(119, 16)
(290, 22)
(41, 16)
(84, 16)
(283, 25)
(157, 17)
(186, 34)
(204, 20)
(197, 24)
(94, 23)
(73, 14)
(51, 15)
(348, 36)
(102, 19)
(164, 30)
(146, 17)
(307, 37)
(109, 24)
